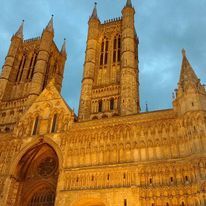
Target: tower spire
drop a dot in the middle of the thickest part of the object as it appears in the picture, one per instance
(94, 13)
(19, 32)
(50, 25)
(63, 50)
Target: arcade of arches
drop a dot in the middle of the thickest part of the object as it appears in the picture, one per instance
(36, 177)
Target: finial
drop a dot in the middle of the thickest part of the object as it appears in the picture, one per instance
(183, 52)
(19, 32)
(50, 24)
(129, 3)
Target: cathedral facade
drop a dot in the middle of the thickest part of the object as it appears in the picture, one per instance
(110, 154)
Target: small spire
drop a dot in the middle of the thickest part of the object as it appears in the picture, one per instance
(147, 109)
(50, 26)
(63, 50)
(129, 3)
(19, 32)
(187, 74)
(94, 13)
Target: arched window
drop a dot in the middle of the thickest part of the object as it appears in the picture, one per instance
(54, 123)
(117, 49)
(100, 106)
(36, 124)
(112, 104)
(104, 52)
(183, 204)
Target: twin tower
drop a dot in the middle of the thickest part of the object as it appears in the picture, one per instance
(110, 84)
(110, 79)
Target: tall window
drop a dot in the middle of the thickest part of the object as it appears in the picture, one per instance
(21, 69)
(117, 49)
(54, 123)
(36, 124)
(100, 106)
(104, 52)
(47, 73)
(32, 66)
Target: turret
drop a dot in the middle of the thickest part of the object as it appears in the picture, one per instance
(89, 66)
(129, 96)
(42, 59)
(191, 94)
(16, 41)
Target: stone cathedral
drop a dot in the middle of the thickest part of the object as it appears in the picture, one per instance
(111, 153)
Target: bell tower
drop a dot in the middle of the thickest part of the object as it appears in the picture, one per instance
(110, 79)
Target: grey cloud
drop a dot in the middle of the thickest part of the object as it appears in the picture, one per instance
(164, 27)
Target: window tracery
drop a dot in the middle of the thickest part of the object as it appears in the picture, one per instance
(104, 52)
(47, 167)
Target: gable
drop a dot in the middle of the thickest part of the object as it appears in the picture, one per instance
(46, 106)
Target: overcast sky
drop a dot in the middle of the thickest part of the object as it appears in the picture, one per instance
(164, 27)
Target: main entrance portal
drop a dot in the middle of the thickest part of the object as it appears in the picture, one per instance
(36, 177)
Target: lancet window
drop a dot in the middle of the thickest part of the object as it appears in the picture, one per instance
(21, 68)
(117, 49)
(54, 123)
(32, 66)
(36, 124)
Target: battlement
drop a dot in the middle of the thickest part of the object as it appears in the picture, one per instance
(112, 20)
(32, 39)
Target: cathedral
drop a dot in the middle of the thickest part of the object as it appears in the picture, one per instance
(111, 153)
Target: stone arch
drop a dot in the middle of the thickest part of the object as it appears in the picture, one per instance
(31, 163)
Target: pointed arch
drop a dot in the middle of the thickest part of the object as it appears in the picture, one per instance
(34, 173)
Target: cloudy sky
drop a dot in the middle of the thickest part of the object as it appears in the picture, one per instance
(164, 27)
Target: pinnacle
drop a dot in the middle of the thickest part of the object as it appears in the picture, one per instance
(63, 50)
(94, 13)
(50, 26)
(187, 72)
(19, 32)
